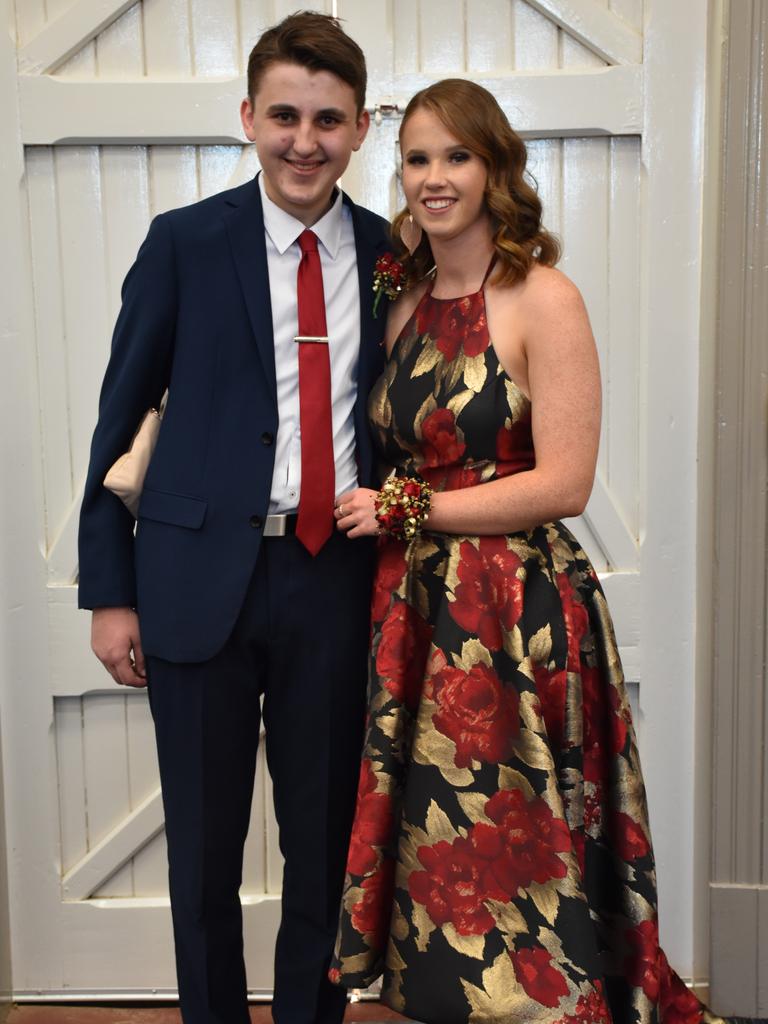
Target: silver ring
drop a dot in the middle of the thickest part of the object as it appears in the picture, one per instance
(341, 511)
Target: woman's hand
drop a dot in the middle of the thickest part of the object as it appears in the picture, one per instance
(355, 513)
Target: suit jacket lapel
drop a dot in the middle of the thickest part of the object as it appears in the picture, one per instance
(371, 329)
(245, 225)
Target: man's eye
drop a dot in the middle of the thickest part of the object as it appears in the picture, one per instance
(329, 121)
(284, 116)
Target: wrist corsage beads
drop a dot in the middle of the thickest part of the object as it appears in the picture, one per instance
(402, 505)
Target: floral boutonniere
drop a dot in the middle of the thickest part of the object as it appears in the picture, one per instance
(388, 275)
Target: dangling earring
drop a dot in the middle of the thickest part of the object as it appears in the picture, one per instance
(410, 234)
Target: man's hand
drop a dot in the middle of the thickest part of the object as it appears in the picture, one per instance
(355, 513)
(116, 643)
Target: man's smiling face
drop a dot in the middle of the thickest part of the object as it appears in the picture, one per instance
(305, 126)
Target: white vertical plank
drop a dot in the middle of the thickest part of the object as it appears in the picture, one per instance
(585, 238)
(125, 192)
(53, 376)
(369, 26)
(68, 725)
(215, 42)
(30, 19)
(630, 10)
(442, 33)
(172, 177)
(623, 369)
(535, 38)
(120, 47)
(167, 39)
(254, 17)
(407, 46)
(217, 164)
(86, 318)
(105, 749)
(489, 36)
(545, 163)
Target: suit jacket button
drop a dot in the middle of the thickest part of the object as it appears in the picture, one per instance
(256, 522)
(267, 438)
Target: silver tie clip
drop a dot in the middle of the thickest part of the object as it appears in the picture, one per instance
(311, 337)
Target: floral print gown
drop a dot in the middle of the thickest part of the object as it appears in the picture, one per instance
(500, 867)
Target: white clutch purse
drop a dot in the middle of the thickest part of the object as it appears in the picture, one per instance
(125, 477)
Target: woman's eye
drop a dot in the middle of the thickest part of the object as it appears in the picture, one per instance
(415, 160)
(460, 157)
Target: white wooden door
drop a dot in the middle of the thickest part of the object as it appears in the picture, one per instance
(119, 109)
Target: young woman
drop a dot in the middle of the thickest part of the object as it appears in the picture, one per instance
(501, 866)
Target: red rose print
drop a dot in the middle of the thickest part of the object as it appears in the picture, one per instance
(489, 594)
(642, 965)
(628, 837)
(373, 824)
(576, 620)
(677, 1003)
(371, 914)
(590, 1009)
(605, 728)
(453, 886)
(462, 324)
(551, 686)
(334, 975)
(402, 653)
(533, 840)
(539, 978)
(592, 812)
(514, 447)
(390, 569)
(441, 445)
(478, 712)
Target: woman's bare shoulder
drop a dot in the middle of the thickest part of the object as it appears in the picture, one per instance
(547, 291)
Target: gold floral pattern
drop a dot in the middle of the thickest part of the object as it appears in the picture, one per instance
(500, 868)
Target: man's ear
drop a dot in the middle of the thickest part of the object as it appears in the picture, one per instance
(246, 118)
(363, 124)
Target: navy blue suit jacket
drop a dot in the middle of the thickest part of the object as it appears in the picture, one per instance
(196, 318)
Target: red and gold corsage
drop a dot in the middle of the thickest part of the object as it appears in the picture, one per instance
(402, 505)
(388, 275)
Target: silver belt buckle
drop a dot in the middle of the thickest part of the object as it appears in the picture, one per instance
(274, 525)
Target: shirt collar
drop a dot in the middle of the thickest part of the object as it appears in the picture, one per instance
(284, 229)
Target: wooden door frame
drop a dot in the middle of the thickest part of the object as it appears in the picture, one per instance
(739, 868)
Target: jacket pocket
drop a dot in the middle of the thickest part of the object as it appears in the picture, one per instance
(176, 509)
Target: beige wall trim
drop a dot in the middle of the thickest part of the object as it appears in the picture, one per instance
(739, 887)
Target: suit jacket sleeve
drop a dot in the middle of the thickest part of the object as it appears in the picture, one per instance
(136, 377)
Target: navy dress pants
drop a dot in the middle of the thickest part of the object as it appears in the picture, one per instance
(301, 642)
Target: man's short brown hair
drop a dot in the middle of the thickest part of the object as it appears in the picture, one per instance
(314, 41)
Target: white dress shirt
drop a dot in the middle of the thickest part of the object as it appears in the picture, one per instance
(338, 259)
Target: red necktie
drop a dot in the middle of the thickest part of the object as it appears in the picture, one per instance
(315, 522)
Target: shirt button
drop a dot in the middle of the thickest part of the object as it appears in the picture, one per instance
(256, 522)
(267, 438)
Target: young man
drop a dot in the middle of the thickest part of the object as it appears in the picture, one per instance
(237, 585)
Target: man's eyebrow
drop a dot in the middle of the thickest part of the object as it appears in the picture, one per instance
(287, 108)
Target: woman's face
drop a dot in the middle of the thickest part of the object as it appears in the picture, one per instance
(444, 181)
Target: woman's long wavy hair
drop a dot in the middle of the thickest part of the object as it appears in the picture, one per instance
(472, 114)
